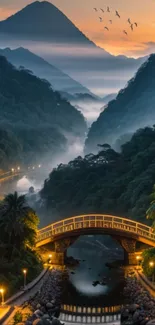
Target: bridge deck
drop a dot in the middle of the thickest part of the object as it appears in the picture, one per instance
(97, 221)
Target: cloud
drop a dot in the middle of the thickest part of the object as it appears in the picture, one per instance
(6, 12)
(147, 48)
(149, 44)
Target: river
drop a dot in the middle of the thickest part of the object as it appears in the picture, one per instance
(79, 290)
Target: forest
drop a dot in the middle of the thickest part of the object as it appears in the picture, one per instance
(18, 230)
(118, 183)
(34, 119)
(133, 108)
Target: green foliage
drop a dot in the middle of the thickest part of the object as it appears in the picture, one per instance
(150, 213)
(18, 229)
(18, 222)
(34, 118)
(108, 182)
(18, 317)
(133, 107)
(148, 256)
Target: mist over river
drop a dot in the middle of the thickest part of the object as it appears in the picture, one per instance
(75, 149)
(79, 290)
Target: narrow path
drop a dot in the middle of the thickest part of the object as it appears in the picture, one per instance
(149, 286)
(30, 293)
(21, 299)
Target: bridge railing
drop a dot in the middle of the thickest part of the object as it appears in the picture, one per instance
(91, 310)
(96, 221)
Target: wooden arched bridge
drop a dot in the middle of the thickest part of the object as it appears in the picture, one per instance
(58, 236)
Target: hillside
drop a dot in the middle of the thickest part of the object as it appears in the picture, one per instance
(109, 182)
(41, 68)
(67, 48)
(109, 97)
(34, 116)
(132, 108)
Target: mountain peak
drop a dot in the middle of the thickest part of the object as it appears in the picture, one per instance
(40, 4)
(42, 20)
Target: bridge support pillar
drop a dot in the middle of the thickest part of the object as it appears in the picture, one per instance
(60, 250)
(58, 258)
(130, 258)
(129, 246)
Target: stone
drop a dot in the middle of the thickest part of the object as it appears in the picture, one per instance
(53, 301)
(133, 308)
(36, 321)
(49, 305)
(151, 322)
(44, 322)
(143, 322)
(55, 321)
(57, 312)
(46, 316)
(43, 309)
(136, 316)
(38, 313)
(124, 314)
(151, 304)
(38, 306)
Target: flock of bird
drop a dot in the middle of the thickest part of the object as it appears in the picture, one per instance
(131, 24)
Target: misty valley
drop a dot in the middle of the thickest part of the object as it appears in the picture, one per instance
(77, 164)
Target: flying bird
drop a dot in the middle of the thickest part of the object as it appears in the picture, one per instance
(95, 9)
(100, 18)
(101, 9)
(117, 14)
(110, 21)
(108, 9)
(129, 21)
(124, 31)
(131, 27)
(136, 24)
(106, 28)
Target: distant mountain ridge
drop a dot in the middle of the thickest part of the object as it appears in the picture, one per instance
(66, 47)
(134, 107)
(43, 69)
(40, 19)
(37, 120)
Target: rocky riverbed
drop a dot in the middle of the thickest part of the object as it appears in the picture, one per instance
(45, 305)
(141, 307)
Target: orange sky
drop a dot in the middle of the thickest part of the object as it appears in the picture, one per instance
(139, 42)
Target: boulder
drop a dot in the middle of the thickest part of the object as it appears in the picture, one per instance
(45, 316)
(55, 321)
(38, 306)
(44, 322)
(38, 313)
(49, 305)
(36, 321)
(133, 308)
(151, 322)
(143, 322)
(136, 316)
(124, 314)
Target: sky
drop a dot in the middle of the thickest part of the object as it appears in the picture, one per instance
(138, 43)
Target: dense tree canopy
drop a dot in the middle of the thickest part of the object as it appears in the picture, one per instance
(108, 182)
(148, 262)
(18, 228)
(132, 108)
(34, 119)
